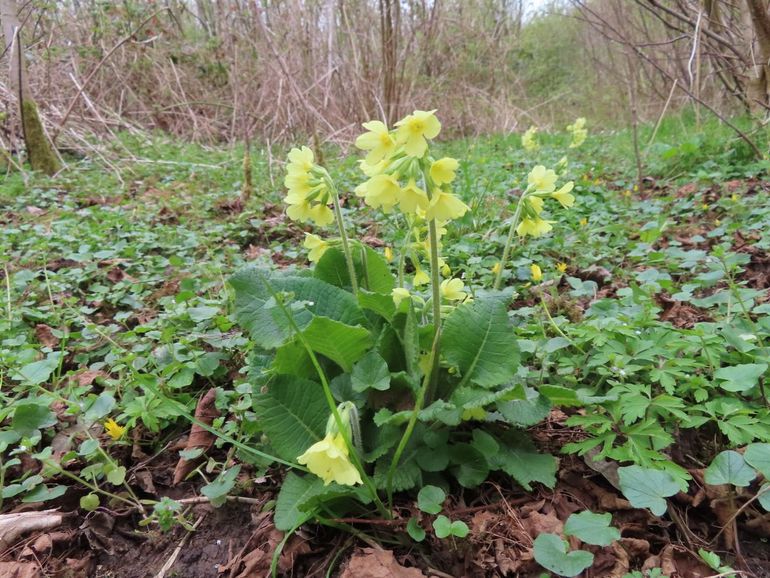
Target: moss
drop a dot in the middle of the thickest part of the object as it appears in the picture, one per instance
(39, 151)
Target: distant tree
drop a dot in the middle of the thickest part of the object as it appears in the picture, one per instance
(39, 150)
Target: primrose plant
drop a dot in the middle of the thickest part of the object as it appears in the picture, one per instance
(368, 380)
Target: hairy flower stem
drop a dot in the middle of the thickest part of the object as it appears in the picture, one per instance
(509, 241)
(343, 237)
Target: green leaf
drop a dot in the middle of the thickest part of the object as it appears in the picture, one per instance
(592, 528)
(430, 499)
(764, 496)
(758, 456)
(442, 526)
(28, 418)
(459, 529)
(89, 502)
(370, 372)
(561, 396)
(343, 344)
(202, 313)
(101, 407)
(117, 476)
(372, 270)
(740, 378)
(647, 488)
(258, 313)
(479, 340)
(471, 467)
(293, 413)
(217, 490)
(551, 553)
(525, 412)
(518, 458)
(382, 305)
(43, 493)
(414, 530)
(729, 467)
(39, 371)
(295, 491)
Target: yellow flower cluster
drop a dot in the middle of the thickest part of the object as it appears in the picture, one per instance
(114, 430)
(309, 196)
(542, 183)
(399, 169)
(529, 140)
(579, 132)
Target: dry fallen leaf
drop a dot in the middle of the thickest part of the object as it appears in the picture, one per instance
(371, 563)
(205, 412)
(13, 526)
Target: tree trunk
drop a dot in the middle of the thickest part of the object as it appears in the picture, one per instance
(759, 87)
(39, 151)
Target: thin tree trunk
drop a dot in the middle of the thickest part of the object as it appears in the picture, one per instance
(40, 153)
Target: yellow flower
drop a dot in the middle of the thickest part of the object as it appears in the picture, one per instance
(579, 132)
(372, 170)
(300, 160)
(316, 245)
(399, 294)
(477, 413)
(388, 254)
(443, 170)
(533, 227)
(328, 459)
(445, 207)
(561, 267)
(536, 272)
(564, 196)
(414, 129)
(298, 184)
(529, 139)
(734, 197)
(562, 164)
(535, 203)
(583, 222)
(626, 193)
(636, 188)
(420, 278)
(305, 212)
(542, 180)
(377, 141)
(496, 268)
(412, 197)
(451, 290)
(717, 222)
(381, 191)
(114, 430)
(705, 206)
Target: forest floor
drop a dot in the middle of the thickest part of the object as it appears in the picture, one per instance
(112, 274)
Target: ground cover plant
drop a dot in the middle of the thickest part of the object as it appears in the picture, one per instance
(499, 356)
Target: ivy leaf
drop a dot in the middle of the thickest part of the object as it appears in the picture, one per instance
(729, 467)
(592, 528)
(370, 372)
(479, 340)
(740, 378)
(647, 488)
(293, 413)
(430, 499)
(551, 553)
